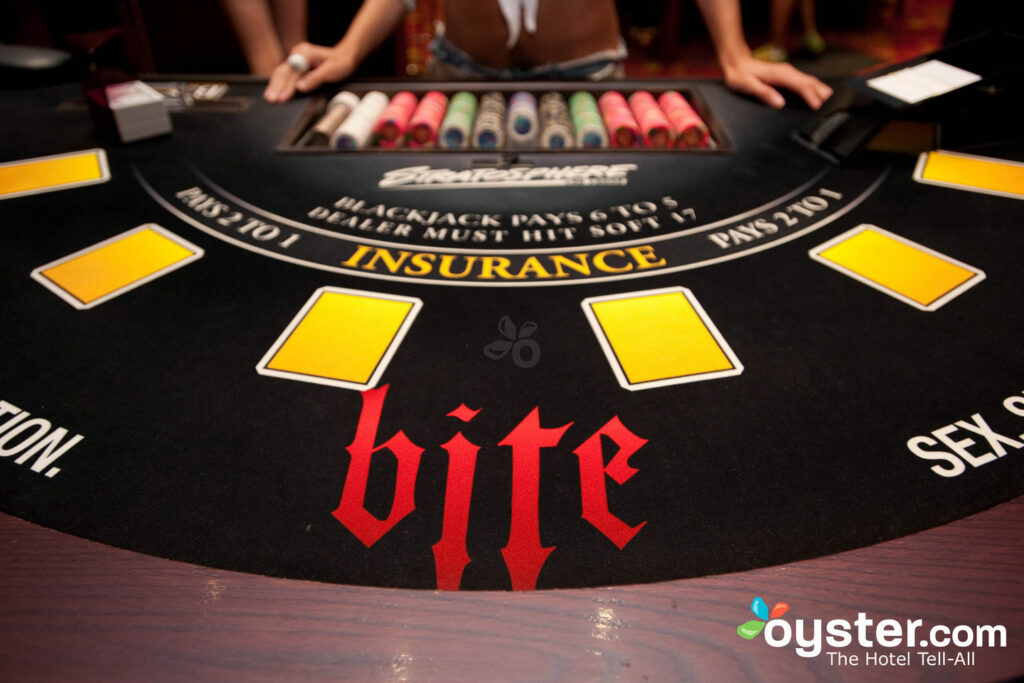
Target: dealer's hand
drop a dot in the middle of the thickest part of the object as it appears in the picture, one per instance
(760, 79)
(307, 68)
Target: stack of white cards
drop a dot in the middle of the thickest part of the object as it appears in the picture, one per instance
(139, 111)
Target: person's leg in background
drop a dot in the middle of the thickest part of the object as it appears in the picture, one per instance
(777, 50)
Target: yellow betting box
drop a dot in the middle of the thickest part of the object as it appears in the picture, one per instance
(897, 266)
(341, 337)
(57, 172)
(659, 337)
(972, 173)
(103, 271)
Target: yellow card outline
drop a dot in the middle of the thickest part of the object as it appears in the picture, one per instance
(922, 164)
(263, 367)
(978, 274)
(38, 274)
(101, 160)
(613, 359)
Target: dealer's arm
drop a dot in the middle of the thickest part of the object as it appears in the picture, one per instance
(374, 21)
(745, 74)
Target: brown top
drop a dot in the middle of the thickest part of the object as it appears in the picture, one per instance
(566, 30)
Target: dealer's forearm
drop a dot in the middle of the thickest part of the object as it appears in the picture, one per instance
(374, 22)
(725, 25)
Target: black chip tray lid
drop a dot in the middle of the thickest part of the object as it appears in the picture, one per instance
(859, 109)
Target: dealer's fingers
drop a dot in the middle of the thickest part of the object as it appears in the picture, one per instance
(761, 80)
(755, 87)
(331, 66)
(810, 89)
(286, 76)
(281, 86)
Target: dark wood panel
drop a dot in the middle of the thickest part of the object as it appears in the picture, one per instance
(72, 609)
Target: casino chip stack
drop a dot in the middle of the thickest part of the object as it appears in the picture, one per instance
(338, 109)
(555, 123)
(390, 128)
(586, 119)
(623, 129)
(654, 125)
(426, 120)
(458, 121)
(355, 131)
(489, 128)
(523, 123)
(691, 131)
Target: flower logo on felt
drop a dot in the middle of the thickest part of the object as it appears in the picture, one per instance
(525, 351)
(753, 628)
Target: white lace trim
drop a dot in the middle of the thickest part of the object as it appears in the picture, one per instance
(519, 14)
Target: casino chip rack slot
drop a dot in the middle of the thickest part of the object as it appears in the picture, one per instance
(508, 118)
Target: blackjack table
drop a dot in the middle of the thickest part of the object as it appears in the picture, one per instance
(499, 369)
